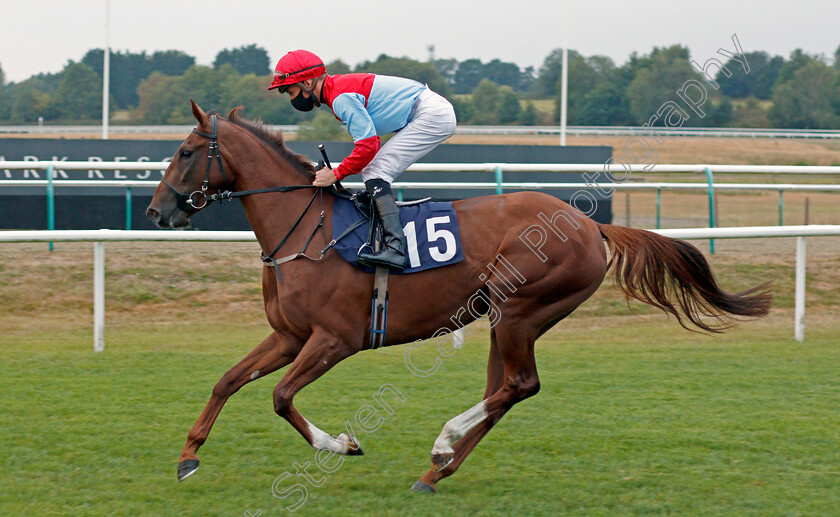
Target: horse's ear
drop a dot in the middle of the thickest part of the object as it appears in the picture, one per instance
(233, 113)
(198, 113)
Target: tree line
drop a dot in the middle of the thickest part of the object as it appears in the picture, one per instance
(800, 91)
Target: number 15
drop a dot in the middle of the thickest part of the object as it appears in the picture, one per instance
(433, 234)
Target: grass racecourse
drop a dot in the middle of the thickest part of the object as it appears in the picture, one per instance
(635, 415)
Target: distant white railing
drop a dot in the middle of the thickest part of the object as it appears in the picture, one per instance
(593, 175)
(99, 237)
(616, 168)
(472, 185)
(717, 132)
(113, 130)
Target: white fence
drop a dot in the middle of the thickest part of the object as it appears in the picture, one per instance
(630, 131)
(472, 167)
(593, 179)
(719, 132)
(99, 237)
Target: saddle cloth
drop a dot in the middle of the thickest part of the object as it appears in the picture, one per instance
(431, 232)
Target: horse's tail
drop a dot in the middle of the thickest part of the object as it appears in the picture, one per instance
(674, 276)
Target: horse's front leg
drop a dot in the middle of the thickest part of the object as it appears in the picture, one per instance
(320, 353)
(275, 352)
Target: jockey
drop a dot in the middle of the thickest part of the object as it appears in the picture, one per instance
(371, 106)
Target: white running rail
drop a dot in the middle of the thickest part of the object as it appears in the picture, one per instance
(100, 237)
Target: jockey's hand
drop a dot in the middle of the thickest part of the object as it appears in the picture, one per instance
(324, 177)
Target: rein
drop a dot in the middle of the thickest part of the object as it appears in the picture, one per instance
(200, 199)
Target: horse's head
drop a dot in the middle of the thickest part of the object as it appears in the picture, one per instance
(195, 170)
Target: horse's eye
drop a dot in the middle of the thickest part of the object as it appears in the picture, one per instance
(186, 154)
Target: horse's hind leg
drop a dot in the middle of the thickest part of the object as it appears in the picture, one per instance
(275, 352)
(511, 371)
(511, 377)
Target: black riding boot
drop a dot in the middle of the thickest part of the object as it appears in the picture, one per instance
(392, 254)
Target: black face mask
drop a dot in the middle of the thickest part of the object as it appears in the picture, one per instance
(302, 103)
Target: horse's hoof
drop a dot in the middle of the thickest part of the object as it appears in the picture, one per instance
(421, 486)
(441, 461)
(186, 468)
(353, 447)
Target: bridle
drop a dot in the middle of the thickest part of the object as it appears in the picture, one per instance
(188, 203)
(200, 199)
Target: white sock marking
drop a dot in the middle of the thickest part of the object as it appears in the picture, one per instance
(323, 441)
(459, 426)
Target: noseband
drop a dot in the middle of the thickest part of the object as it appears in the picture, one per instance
(199, 198)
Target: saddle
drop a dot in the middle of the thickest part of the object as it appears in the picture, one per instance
(364, 206)
(362, 198)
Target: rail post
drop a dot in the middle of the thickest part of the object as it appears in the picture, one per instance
(498, 179)
(399, 194)
(50, 200)
(98, 296)
(627, 209)
(781, 209)
(658, 206)
(710, 179)
(127, 208)
(799, 307)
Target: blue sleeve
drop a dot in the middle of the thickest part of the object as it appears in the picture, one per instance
(350, 109)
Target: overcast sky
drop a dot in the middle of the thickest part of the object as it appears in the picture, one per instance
(43, 35)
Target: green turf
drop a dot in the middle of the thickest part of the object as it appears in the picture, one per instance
(635, 417)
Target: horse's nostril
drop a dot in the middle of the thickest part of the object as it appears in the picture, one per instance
(153, 215)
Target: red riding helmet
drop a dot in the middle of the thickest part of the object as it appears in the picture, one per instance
(297, 66)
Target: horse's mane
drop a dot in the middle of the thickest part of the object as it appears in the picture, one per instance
(273, 138)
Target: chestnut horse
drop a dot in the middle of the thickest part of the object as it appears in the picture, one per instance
(529, 261)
